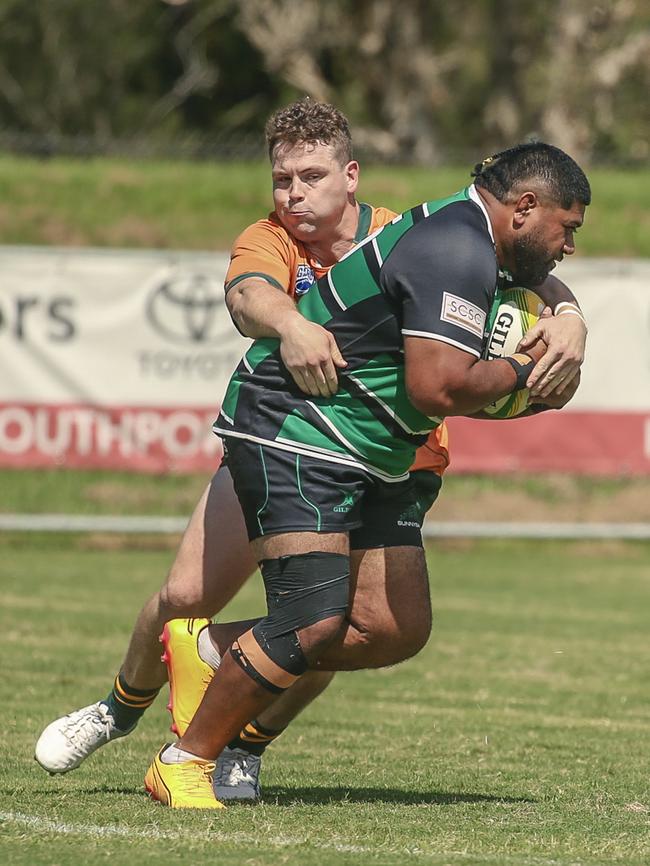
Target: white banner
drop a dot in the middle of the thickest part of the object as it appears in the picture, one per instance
(113, 358)
(615, 297)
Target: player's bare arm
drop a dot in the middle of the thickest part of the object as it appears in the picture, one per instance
(442, 380)
(539, 404)
(308, 351)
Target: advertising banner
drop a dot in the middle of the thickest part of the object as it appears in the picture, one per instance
(113, 359)
(119, 359)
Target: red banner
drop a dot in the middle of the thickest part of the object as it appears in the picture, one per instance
(162, 439)
(586, 443)
(140, 438)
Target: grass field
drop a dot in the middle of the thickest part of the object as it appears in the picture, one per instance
(176, 205)
(465, 497)
(518, 736)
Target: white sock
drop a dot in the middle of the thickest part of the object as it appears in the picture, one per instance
(207, 650)
(175, 755)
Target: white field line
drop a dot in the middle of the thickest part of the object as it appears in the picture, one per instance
(102, 831)
(432, 529)
(64, 828)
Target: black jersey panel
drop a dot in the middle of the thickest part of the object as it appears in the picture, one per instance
(442, 276)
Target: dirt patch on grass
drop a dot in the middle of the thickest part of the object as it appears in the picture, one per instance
(146, 498)
(134, 231)
(549, 498)
(112, 542)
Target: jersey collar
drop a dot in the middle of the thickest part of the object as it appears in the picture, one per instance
(476, 198)
(365, 220)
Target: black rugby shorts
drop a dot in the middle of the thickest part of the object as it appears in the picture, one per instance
(282, 491)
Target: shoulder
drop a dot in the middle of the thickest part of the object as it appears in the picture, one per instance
(264, 232)
(381, 216)
(456, 234)
(461, 222)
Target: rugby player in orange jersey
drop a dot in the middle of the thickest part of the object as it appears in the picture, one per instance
(316, 221)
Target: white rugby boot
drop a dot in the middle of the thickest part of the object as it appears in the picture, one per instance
(237, 776)
(68, 741)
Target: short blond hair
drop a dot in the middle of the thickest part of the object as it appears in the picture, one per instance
(310, 122)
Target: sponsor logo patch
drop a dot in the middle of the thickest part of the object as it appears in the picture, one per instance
(347, 504)
(458, 311)
(305, 279)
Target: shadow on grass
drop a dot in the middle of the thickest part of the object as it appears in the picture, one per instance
(282, 796)
(278, 795)
(134, 790)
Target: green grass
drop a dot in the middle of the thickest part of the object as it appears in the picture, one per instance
(96, 491)
(113, 202)
(519, 736)
(90, 491)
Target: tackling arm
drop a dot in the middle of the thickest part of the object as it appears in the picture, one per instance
(259, 309)
(308, 351)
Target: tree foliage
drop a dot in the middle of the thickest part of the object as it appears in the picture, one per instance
(423, 80)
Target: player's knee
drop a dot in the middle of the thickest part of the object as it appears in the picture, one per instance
(275, 662)
(178, 600)
(315, 638)
(385, 641)
(307, 598)
(410, 638)
(416, 639)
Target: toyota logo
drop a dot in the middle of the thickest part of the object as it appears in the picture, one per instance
(184, 309)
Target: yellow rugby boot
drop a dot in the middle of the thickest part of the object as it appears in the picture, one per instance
(188, 674)
(182, 786)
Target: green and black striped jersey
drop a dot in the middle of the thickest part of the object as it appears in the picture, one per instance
(432, 272)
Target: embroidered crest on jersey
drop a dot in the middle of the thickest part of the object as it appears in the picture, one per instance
(458, 311)
(305, 279)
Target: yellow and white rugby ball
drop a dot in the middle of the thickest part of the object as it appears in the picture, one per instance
(516, 312)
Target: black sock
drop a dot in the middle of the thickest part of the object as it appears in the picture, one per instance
(127, 704)
(254, 738)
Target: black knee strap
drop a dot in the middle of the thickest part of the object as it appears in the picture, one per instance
(302, 589)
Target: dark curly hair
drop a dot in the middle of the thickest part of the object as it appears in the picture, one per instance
(545, 167)
(311, 122)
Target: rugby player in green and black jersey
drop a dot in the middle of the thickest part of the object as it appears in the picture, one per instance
(407, 309)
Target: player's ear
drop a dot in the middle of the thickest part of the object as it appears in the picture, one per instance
(352, 174)
(523, 207)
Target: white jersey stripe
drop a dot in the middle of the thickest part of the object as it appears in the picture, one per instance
(328, 423)
(390, 411)
(301, 448)
(338, 300)
(441, 339)
(375, 247)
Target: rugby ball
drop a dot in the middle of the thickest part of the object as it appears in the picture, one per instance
(515, 312)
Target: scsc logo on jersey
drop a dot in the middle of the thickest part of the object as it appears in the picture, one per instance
(305, 279)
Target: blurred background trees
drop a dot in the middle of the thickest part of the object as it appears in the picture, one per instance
(424, 81)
